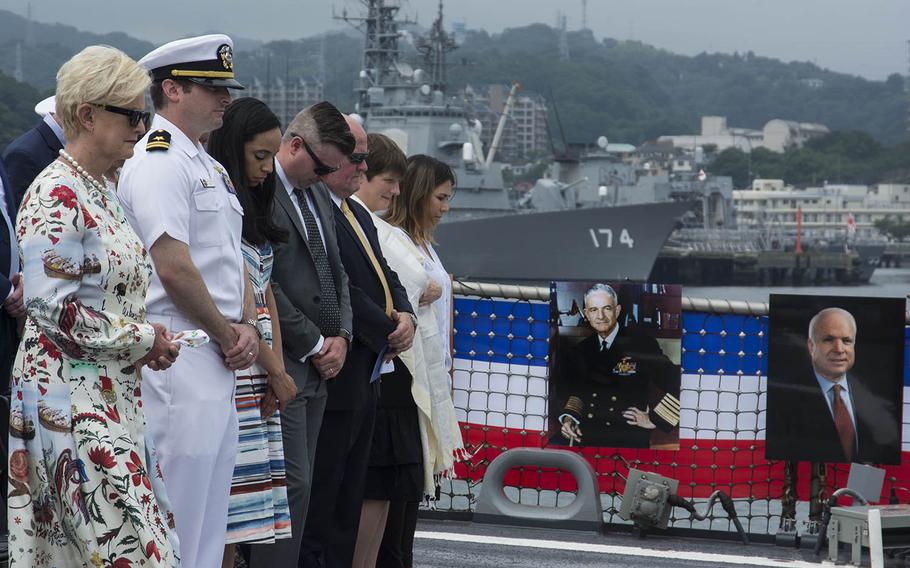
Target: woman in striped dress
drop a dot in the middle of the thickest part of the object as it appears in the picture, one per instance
(246, 145)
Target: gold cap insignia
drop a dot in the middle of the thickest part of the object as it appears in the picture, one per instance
(226, 54)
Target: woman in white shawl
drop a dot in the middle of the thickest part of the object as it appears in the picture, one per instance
(416, 438)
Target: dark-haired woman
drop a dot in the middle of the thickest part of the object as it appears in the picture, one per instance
(246, 145)
(417, 437)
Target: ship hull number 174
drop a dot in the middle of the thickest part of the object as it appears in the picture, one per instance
(603, 238)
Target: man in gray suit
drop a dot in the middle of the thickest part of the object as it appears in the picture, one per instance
(311, 292)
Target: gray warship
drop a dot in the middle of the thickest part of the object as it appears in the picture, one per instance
(487, 235)
(707, 248)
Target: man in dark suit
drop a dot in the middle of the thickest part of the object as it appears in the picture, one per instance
(314, 308)
(26, 156)
(13, 309)
(831, 415)
(11, 288)
(383, 327)
(614, 388)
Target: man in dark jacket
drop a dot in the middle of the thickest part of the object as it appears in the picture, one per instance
(606, 384)
(28, 155)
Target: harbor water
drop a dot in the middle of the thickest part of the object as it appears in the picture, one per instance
(885, 283)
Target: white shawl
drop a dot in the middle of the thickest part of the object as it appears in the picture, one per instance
(440, 434)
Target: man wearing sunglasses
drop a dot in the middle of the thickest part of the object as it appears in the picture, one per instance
(383, 325)
(314, 307)
(182, 204)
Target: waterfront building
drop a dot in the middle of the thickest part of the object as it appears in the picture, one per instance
(826, 210)
(525, 134)
(286, 98)
(776, 135)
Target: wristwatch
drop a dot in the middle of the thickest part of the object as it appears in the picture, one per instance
(413, 319)
(255, 325)
(347, 336)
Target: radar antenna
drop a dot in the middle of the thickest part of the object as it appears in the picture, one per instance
(433, 48)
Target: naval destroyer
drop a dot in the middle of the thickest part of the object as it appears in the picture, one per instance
(487, 235)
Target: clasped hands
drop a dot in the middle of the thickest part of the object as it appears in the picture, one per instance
(331, 357)
(402, 336)
(571, 429)
(241, 348)
(164, 351)
(280, 391)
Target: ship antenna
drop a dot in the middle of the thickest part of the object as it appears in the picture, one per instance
(562, 133)
(433, 48)
(380, 51)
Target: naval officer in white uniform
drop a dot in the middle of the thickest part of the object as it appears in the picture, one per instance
(182, 204)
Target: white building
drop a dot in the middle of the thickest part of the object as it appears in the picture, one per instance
(825, 210)
(776, 135)
(286, 100)
(525, 133)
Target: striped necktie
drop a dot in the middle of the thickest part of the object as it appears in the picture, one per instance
(372, 256)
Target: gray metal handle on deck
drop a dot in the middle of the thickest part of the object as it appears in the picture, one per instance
(585, 512)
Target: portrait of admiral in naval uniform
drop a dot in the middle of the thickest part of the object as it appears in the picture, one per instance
(835, 379)
(614, 365)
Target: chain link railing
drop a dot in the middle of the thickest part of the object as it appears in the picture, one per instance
(500, 393)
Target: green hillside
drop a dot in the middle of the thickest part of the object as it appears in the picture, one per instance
(628, 91)
(17, 103)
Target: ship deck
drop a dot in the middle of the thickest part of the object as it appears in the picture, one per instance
(447, 543)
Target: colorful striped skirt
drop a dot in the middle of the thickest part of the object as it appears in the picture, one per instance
(258, 510)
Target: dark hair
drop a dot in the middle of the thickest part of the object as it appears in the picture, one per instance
(322, 124)
(243, 119)
(156, 91)
(385, 156)
(409, 210)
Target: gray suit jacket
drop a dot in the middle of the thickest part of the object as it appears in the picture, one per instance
(295, 283)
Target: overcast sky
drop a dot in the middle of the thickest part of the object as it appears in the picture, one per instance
(864, 37)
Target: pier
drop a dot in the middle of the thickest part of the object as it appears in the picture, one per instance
(729, 266)
(896, 255)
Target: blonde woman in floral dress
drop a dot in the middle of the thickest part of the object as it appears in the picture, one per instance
(82, 490)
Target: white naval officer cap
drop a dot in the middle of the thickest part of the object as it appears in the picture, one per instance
(207, 60)
(46, 106)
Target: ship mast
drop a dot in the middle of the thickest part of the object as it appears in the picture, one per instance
(434, 47)
(380, 51)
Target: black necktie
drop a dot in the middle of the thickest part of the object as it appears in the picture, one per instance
(329, 314)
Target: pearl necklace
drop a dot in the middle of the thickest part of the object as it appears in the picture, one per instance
(81, 170)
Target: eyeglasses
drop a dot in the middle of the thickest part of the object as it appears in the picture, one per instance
(358, 158)
(319, 167)
(133, 115)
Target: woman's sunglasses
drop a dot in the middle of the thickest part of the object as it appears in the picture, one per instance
(133, 115)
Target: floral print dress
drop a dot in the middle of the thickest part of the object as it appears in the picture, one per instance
(84, 489)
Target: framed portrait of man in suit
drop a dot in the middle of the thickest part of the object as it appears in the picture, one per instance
(835, 379)
(614, 374)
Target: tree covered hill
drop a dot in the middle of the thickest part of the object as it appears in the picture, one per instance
(628, 91)
(17, 103)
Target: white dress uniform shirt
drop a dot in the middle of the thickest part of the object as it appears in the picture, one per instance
(55, 126)
(187, 194)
